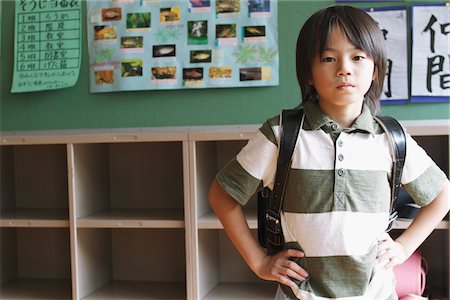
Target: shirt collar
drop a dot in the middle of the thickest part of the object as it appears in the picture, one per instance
(317, 119)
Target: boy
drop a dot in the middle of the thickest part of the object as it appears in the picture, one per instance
(336, 204)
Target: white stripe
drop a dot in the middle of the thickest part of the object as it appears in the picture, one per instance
(259, 158)
(335, 233)
(361, 151)
(417, 161)
(314, 151)
(382, 286)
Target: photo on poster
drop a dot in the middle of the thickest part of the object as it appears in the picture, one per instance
(104, 77)
(228, 6)
(199, 6)
(192, 73)
(138, 21)
(220, 72)
(132, 44)
(257, 73)
(226, 35)
(169, 15)
(200, 56)
(131, 67)
(164, 73)
(258, 8)
(197, 32)
(112, 14)
(104, 32)
(254, 34)
(164, 51)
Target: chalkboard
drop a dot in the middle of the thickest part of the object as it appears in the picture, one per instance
(76, 108)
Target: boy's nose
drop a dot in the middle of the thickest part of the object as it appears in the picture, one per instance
(344, 68)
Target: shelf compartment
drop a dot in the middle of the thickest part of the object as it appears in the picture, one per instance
(34, 186)
(140, 290)
(223, 271)
(210, 220)
(35, 263)
(210, 157)
(126, 262)
(129, 184)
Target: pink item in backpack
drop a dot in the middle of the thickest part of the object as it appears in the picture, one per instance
(410, 276)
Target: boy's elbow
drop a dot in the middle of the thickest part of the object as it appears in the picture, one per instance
(218, 198)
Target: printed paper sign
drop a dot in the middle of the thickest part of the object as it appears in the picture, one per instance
(47, 50)
(431, 53)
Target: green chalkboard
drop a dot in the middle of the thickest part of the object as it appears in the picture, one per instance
(75, 107)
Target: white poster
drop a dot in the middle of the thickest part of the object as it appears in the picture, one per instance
(393, 24)
(430, 53)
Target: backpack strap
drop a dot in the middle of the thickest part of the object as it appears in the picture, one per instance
(397, 141)
(291, 122)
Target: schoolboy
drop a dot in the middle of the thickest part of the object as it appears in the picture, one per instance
(336, 205)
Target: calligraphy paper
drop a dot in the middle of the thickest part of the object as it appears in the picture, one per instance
(47, 50)
(392, 22)
(430, 53)
(153, 44)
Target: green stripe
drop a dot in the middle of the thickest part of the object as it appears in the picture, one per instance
(319, 191)
(427, 186)
(337, 276)
(267, 130)
(237, 182)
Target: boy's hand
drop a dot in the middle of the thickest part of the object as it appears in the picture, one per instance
(280, 268)
(390, 252)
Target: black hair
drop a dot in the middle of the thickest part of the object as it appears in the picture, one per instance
(361, 30)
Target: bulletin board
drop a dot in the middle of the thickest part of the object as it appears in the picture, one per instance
(77, 107)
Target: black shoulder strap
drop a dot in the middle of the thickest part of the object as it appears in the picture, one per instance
(397, 140)
(291, 122)
(289, 129)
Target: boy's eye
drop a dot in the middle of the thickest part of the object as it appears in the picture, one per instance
(359, 57)
(328, 59)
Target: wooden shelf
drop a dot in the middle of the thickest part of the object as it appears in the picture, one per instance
(124, 214)
(404, 223)
(241, 291)
(29, 289)
(210, 221)
(134, 218)
(125, 290)
(34, 217)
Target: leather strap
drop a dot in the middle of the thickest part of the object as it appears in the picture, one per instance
(290, 124)
(397, 140)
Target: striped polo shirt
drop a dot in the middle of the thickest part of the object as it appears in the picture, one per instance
(337, 198)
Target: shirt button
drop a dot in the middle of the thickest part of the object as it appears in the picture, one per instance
(334, 126)
(341, 157)
(341, 172)
(340, 143)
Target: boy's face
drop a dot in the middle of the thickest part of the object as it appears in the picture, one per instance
(342, 75)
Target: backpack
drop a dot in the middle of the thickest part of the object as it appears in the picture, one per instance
(270, 234)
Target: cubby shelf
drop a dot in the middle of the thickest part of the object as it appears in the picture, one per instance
(123, 214)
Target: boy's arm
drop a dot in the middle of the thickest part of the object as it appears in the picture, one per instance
(231, 215)
(421, 227)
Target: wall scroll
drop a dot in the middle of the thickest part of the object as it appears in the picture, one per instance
(392, 22)
(156, 44)
(430, 53)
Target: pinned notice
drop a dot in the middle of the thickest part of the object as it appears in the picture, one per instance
(47, 48)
